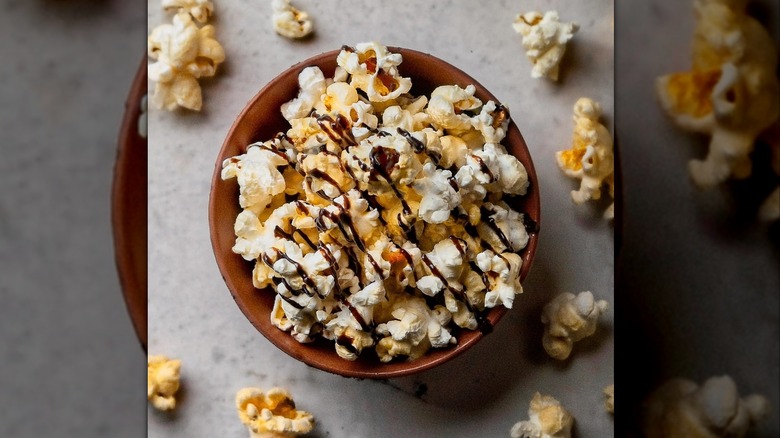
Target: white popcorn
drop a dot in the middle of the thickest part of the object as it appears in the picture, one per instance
(609, 402)
(681, 408)
(502, 228)
(183, 54)
(547, 418)
(271, 414)
(162, 382)
(313, 85)
(544, 41)
(438, 195)
(590, 158)
(200, 10)
(568, 319)
(730, 93)
(492, 122)
(258, 178)
(503, 283)
(355, 215)
(290, 22)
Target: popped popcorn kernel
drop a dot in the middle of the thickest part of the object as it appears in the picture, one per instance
(271, 414)
(201, 10)
(569, 318)
(547, 419)
(681, 408)
(544, 41)
(162, 376)
(377, 217)
(183, 53)
(590, 158)
(289, 21)
(609, 402)
(729, 94)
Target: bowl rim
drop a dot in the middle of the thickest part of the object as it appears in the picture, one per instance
(358, 368)
(131, 278)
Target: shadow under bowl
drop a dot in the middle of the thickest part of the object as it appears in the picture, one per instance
(260, 120)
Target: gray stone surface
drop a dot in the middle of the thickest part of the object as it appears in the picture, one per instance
(71, 364)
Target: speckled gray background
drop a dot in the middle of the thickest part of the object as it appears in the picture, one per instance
(70, 364)
(698, 286)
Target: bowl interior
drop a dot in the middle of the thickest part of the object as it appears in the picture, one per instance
(260, 121)
(128, 209)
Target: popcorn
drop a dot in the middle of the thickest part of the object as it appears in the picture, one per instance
(162, 382)
(544, 41)
(271, 414)
(313, 85)
(590, 158)
(547, 419)
(731, 92)
(681, 408)
(609, 403)
(290, 22)
(143, 124)
(568, 319)
(258, 176)
(503, 281)
(368, 216)
(375, 71)
(183, 54)
(201, 10)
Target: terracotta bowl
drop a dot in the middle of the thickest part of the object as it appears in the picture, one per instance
(128, 207)
(260, 121)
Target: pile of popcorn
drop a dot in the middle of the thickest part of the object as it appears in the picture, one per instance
(378, 217)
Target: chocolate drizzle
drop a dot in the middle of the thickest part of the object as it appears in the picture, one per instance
(416, 145)
(298, 268)
(338, 130)
(383, 160)
(484, 167)
(486, 215)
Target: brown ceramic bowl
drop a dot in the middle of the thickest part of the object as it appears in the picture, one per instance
(260, 121)
(128, 209)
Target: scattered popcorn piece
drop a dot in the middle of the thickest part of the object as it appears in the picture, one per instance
(547, 418)
(271, 414)
(367, 238)
(183, 53)
(731, 92)
(568, 319)
(590, 158)
(609, 403)
(290, 22)
(143, 124)
(200, 10)
(544, 41)
(162, 382)
(682, 409)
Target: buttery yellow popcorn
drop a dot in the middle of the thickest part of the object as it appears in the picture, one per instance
(271, 414)
(547, 419)
(162, 382)
(183, 53)
(729, 94)
(681, 408)
(590, 158)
